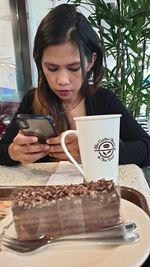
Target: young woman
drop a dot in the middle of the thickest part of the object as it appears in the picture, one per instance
(69, 60)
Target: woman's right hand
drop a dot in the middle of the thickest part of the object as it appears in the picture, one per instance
(26, 149)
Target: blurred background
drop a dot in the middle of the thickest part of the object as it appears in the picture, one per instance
(19, 20)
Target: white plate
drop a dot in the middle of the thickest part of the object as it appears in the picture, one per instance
(87, 254)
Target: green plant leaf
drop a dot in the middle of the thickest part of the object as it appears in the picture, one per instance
(125, 32)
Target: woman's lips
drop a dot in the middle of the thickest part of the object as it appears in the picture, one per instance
(64, 92)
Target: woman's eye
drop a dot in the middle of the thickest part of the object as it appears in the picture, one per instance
(74, 69)
(52, 69)
(71, 68)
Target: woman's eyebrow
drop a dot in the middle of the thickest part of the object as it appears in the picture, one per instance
(56, 65)
(74, 64)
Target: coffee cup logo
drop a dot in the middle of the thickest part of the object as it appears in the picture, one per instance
(105, 149)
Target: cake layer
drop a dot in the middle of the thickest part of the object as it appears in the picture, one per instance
(56, 211)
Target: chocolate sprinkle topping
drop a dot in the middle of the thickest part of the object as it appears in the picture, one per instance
(48, 195)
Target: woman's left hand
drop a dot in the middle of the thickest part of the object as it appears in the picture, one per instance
(57, 151)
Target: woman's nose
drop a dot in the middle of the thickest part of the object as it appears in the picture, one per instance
(63, 78)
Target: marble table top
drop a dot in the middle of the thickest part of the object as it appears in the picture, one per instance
(130, 175)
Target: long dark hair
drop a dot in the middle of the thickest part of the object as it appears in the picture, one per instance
(61, 24)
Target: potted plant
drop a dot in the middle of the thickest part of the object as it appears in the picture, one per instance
(124, 30)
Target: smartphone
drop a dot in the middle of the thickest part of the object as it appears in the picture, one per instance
(41, 126)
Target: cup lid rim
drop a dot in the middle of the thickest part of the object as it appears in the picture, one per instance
(97, 117)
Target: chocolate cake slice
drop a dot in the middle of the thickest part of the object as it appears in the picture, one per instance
(61, 210)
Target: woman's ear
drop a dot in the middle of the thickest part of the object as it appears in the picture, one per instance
(91, 63)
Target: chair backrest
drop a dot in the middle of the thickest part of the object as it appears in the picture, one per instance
(148, 126)
(7, 110)
(142, 120)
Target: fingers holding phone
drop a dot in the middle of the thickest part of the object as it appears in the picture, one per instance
(38, 138)
(30, 143)
(56, 150)
(26, 149)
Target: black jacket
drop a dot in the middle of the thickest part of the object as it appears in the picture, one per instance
(134, 141)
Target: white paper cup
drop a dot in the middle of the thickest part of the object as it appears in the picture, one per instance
(98, 138)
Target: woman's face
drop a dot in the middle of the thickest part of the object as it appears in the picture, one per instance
(62, 68)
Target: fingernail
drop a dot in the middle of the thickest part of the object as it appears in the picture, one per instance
(34, 139)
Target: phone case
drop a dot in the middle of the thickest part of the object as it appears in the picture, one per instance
(37, 125)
